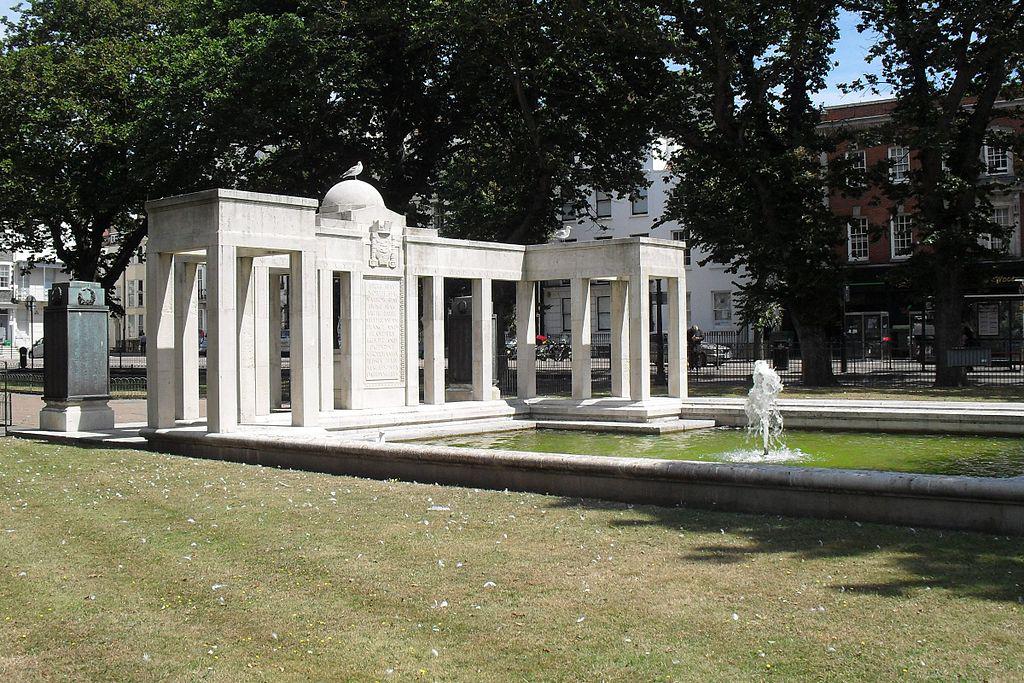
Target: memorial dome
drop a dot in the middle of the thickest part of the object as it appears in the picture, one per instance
(351, 194)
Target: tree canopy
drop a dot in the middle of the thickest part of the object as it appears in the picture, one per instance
(954, 68)
(749, 164)
(500, 110)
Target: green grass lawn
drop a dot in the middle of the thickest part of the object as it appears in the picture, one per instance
(124, 565)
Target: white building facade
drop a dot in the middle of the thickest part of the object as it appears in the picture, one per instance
(711, 289)
(23, 296)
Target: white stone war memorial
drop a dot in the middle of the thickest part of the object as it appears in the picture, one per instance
(364, 290)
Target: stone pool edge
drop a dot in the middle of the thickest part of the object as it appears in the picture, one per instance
(926, 500)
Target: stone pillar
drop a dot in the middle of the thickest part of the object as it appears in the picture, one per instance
(483, 340)
(160, 380)
(526, 339)
(433, 340)
(274, 345)
(412, 340)
(639, 337)
(222, 350)
(76, 376)
(186, 335)
(246, 330)
(326, 339)
(579, 290)
(677, 380)
(351, 371)
(304, 349)
(619, 338)
(261, 341)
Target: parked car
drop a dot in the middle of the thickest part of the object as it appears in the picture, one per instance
(37, 349)
(714, 354)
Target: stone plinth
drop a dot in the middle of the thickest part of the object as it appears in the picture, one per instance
(77, 376)
(76, 416)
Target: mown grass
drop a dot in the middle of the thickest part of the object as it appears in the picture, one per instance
(121, 565)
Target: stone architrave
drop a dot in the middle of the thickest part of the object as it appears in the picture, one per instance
(77, 376)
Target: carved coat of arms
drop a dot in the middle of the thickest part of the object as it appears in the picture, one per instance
(383, 250)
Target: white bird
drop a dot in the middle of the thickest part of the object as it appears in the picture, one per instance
(354, 171)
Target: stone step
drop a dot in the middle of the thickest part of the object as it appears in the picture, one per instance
(904, 416)
(604, 409)
(655, 427)
(436, 430)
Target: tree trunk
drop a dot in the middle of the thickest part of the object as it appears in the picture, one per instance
(815, 350)
(949, 309)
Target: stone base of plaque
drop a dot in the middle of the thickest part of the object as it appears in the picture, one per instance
(76, 416)
(464, 392)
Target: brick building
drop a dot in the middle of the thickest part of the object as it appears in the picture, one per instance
(874, 308)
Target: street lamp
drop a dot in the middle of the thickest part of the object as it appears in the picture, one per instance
(30, 306)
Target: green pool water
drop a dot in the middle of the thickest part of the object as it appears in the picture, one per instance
(931, 454)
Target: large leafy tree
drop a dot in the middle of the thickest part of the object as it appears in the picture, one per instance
(98, 112)
(954, 67)
(495, 105)
(567, 100)
(751, 181)
(318, 86)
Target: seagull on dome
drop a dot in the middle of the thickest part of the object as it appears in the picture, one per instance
(354, 171)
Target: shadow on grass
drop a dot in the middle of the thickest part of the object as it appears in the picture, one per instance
(965, 564)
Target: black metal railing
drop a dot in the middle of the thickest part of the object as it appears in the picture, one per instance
(722, 360)
(6, 406)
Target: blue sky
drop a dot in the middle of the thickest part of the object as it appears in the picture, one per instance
(850, 53)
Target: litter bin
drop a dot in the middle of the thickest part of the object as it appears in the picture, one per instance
(23, 357)
(780, 355)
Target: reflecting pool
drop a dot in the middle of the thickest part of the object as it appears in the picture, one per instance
(924, 453)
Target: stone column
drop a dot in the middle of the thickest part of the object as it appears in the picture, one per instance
(619, 338)
(161, 382)
(274, 345)
(412, 340)
(526, 339)
(677, 380)
(579, 290)
(351, 374)
(246, 330)
(639, 337)
(483, 340)
(222, 350)
(326, 339)
(261, 342)
(304, 349)
(186, 334)
(433, 340)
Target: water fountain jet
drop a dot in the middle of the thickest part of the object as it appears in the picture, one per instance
(763, 417)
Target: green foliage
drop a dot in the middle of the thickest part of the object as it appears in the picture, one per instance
(493, 107)
(751, 181)
(954, 68)
(568, 100)
(98, 113)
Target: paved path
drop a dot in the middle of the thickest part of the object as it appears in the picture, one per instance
(26, 407)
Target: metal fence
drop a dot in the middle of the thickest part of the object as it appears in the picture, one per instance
(26, 381)
(5, 400)
(721, 360)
